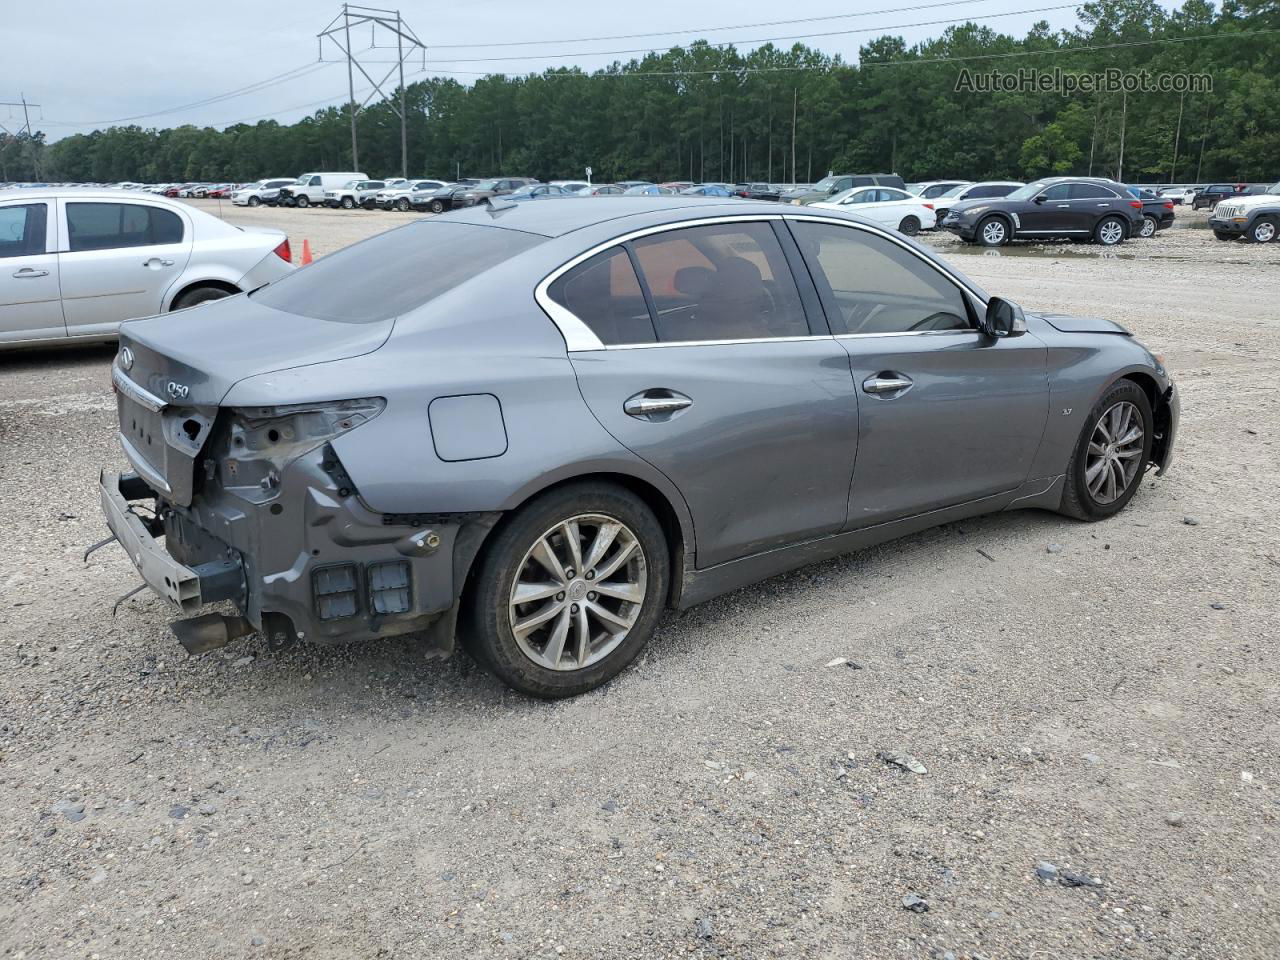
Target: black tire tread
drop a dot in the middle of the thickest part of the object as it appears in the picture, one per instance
(1076, 501)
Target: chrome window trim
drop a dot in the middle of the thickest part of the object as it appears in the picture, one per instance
(910, 333)
(579, 338)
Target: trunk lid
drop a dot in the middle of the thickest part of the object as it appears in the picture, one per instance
(173, 371)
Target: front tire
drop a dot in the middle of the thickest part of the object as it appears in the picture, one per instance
(347, 203)
(303, 202)
(437, 206)
(1111, 455)
(254, 201)
(1109, 232)
(993, 232)
(402, 205)
(1264, 230)
(1223, 235)
(569, 590)
(1149, 227)
(909, 226)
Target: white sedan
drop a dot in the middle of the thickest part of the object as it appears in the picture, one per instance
(75, 263)
(887, 205)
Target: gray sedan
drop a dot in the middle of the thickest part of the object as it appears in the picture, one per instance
(75, 263)
(586, 413)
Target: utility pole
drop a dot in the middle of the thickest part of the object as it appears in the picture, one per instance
(339, 32)
(1173, 164)
(1124, 107)
(795, 99)
(1204, 136)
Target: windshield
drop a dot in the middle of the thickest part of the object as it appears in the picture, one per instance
(826, 183)
(252, 186)
(303, 180)
(486, 185)
(367, 282)
(1274, 189)
(956, 191)
(1029, 191)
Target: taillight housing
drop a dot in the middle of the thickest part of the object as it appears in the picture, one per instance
(1169, 205)
(283, 251)
(1136, 204)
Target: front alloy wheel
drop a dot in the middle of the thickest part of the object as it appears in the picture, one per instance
(993, 232)
(402, 205)
(1111, 454)
(568, 591)
(1264, 231)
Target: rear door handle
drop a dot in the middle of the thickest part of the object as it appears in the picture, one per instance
(26, 273)
(655, 404)
(156, 261)
(886, 383)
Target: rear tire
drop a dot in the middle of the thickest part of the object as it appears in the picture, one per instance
(1110, 232)
(198, 296)
(576, 628)
(909, 226)
(1149, 227)
(1106, 469)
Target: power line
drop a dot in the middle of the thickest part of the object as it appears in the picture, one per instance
(796, 36)
(295, 74)
(670, 33)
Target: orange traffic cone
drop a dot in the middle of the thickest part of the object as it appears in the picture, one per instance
(306, 252)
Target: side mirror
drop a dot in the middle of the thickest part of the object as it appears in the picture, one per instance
(1039, 199)
(1004, 319)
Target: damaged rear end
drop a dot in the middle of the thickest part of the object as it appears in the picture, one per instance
(251, 505)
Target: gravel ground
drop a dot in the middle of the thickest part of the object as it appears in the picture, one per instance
(1098, 697)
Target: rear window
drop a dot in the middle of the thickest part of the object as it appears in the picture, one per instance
(394, 272)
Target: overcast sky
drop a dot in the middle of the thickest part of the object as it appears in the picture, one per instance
(89, 61)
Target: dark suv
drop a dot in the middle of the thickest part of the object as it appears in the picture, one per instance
(1075, 208)
(485, 189)
(828, 187)
(1208, 197)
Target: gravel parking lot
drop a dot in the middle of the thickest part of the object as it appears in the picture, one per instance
(1102, 698)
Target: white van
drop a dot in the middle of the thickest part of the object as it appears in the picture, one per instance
(310, 187)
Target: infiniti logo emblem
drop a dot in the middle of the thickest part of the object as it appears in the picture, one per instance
(126, 359)
(177, 391)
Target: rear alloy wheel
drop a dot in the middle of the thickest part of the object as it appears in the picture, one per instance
(402, 205)
(1149, 227)
(910, 226)
(1111, 454)
(347, 203)
(993, 232)
(1109, 231)
(1263, 231)
(437, 206)
(569, 591)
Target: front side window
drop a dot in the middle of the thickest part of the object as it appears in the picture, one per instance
(22, 229)
(109, 226)
(869, 284)
(1059, 191)
(861, 196)
(603, 293)
(720, 282)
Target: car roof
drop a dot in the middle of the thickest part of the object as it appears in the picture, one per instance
(85, 193)
(555, 220)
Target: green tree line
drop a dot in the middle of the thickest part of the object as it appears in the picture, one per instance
(704, 112)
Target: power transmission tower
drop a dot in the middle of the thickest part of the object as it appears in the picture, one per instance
(407, 42)
(26, 127)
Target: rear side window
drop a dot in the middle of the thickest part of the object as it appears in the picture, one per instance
(603, 293)
(724, 282)
(1090, 191)
(871, 285)
(394, 272)
(978, 193)
(22, 229)
(109, 226)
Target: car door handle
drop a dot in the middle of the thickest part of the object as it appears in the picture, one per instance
(27, 273)
(656, 403)
(1063, 206)
(156, 261)
(890, 383)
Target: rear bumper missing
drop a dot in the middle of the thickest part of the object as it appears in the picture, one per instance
(309, 562)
